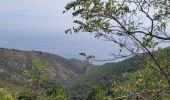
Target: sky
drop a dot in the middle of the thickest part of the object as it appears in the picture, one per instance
(40, 25)
(33, 15)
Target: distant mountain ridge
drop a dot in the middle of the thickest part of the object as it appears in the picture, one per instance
(14, 62)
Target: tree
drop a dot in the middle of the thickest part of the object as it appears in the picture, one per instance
(36, 78)
(146, 83)
(139, 26)
(56, 93)
(96, 94)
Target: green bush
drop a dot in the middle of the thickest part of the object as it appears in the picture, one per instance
(6, 95)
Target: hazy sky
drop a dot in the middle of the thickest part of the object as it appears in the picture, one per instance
(40, 25)
(33, 15)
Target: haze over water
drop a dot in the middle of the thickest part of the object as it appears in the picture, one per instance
(66, 45)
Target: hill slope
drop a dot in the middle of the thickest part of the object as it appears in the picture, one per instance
(14, 62)
(103, 76)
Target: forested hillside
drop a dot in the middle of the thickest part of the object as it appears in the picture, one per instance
(106, 81)
(67, 73)
(14, 62)
(104, 76)
(131, 71)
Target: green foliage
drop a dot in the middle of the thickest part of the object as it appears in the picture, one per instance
(103, 76)
(37, 74)
(132, 78)
(6, 95)
(96, 94)
(56, 93)
(120, 22)
(147, 83)
(114, 19)
(129, 79)
(36, 77)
